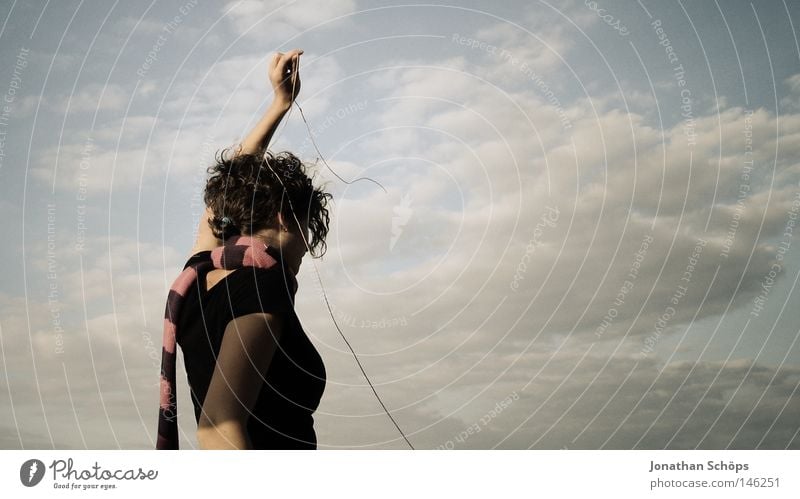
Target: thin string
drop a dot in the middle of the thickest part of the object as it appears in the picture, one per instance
(295, 69)
(319, 155)
(316, 270)
(328, 305)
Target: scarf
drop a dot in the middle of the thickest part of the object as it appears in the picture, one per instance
(236, 252)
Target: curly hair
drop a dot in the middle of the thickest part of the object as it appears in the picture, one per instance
(246, 195)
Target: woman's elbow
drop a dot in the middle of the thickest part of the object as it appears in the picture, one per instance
(230, 434)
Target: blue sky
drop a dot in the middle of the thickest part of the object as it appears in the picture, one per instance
(482, 122)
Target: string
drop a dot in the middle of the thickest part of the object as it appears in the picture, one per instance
(294, 70)
(319, 155)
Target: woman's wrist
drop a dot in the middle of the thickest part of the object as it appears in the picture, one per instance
(280, 104)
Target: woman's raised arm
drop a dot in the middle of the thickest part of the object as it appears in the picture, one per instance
(284, 76)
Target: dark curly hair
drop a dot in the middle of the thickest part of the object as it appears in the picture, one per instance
(246, 195)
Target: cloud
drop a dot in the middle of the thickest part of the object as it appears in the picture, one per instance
(617, 182)
(555, 396)
(793, 82)
(789, 102)
(277, 20)
(89, 352)
(92, 98)
(98, 167)
(470, 205)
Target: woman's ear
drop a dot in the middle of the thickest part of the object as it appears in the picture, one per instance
(282, 223)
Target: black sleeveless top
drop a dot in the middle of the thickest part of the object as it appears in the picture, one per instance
(294, 382)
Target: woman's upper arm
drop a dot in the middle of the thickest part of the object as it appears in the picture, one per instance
(248, 346)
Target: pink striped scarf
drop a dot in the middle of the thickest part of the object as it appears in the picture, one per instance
(238, 251)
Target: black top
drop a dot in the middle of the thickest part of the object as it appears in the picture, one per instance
(282, 415)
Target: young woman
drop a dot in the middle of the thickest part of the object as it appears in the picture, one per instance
(255, 378)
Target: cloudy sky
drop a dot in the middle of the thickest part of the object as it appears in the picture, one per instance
(587, 239)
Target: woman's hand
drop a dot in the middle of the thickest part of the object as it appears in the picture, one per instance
(284, 75)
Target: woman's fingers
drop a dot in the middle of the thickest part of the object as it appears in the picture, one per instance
(290, 54)
(288, 60)
(275, 58)
(282, 63)
(280, 58)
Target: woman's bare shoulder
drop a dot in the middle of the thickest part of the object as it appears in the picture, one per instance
(205, 238)
(200, 248)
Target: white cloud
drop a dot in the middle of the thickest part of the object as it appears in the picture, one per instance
(276, 20)
(103, 363)
(91, 98)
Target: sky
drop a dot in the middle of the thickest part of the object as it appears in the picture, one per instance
(587, 238)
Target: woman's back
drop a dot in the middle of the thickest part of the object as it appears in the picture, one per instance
(294, 383)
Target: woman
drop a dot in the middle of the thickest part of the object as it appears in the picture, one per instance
(255, 378)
